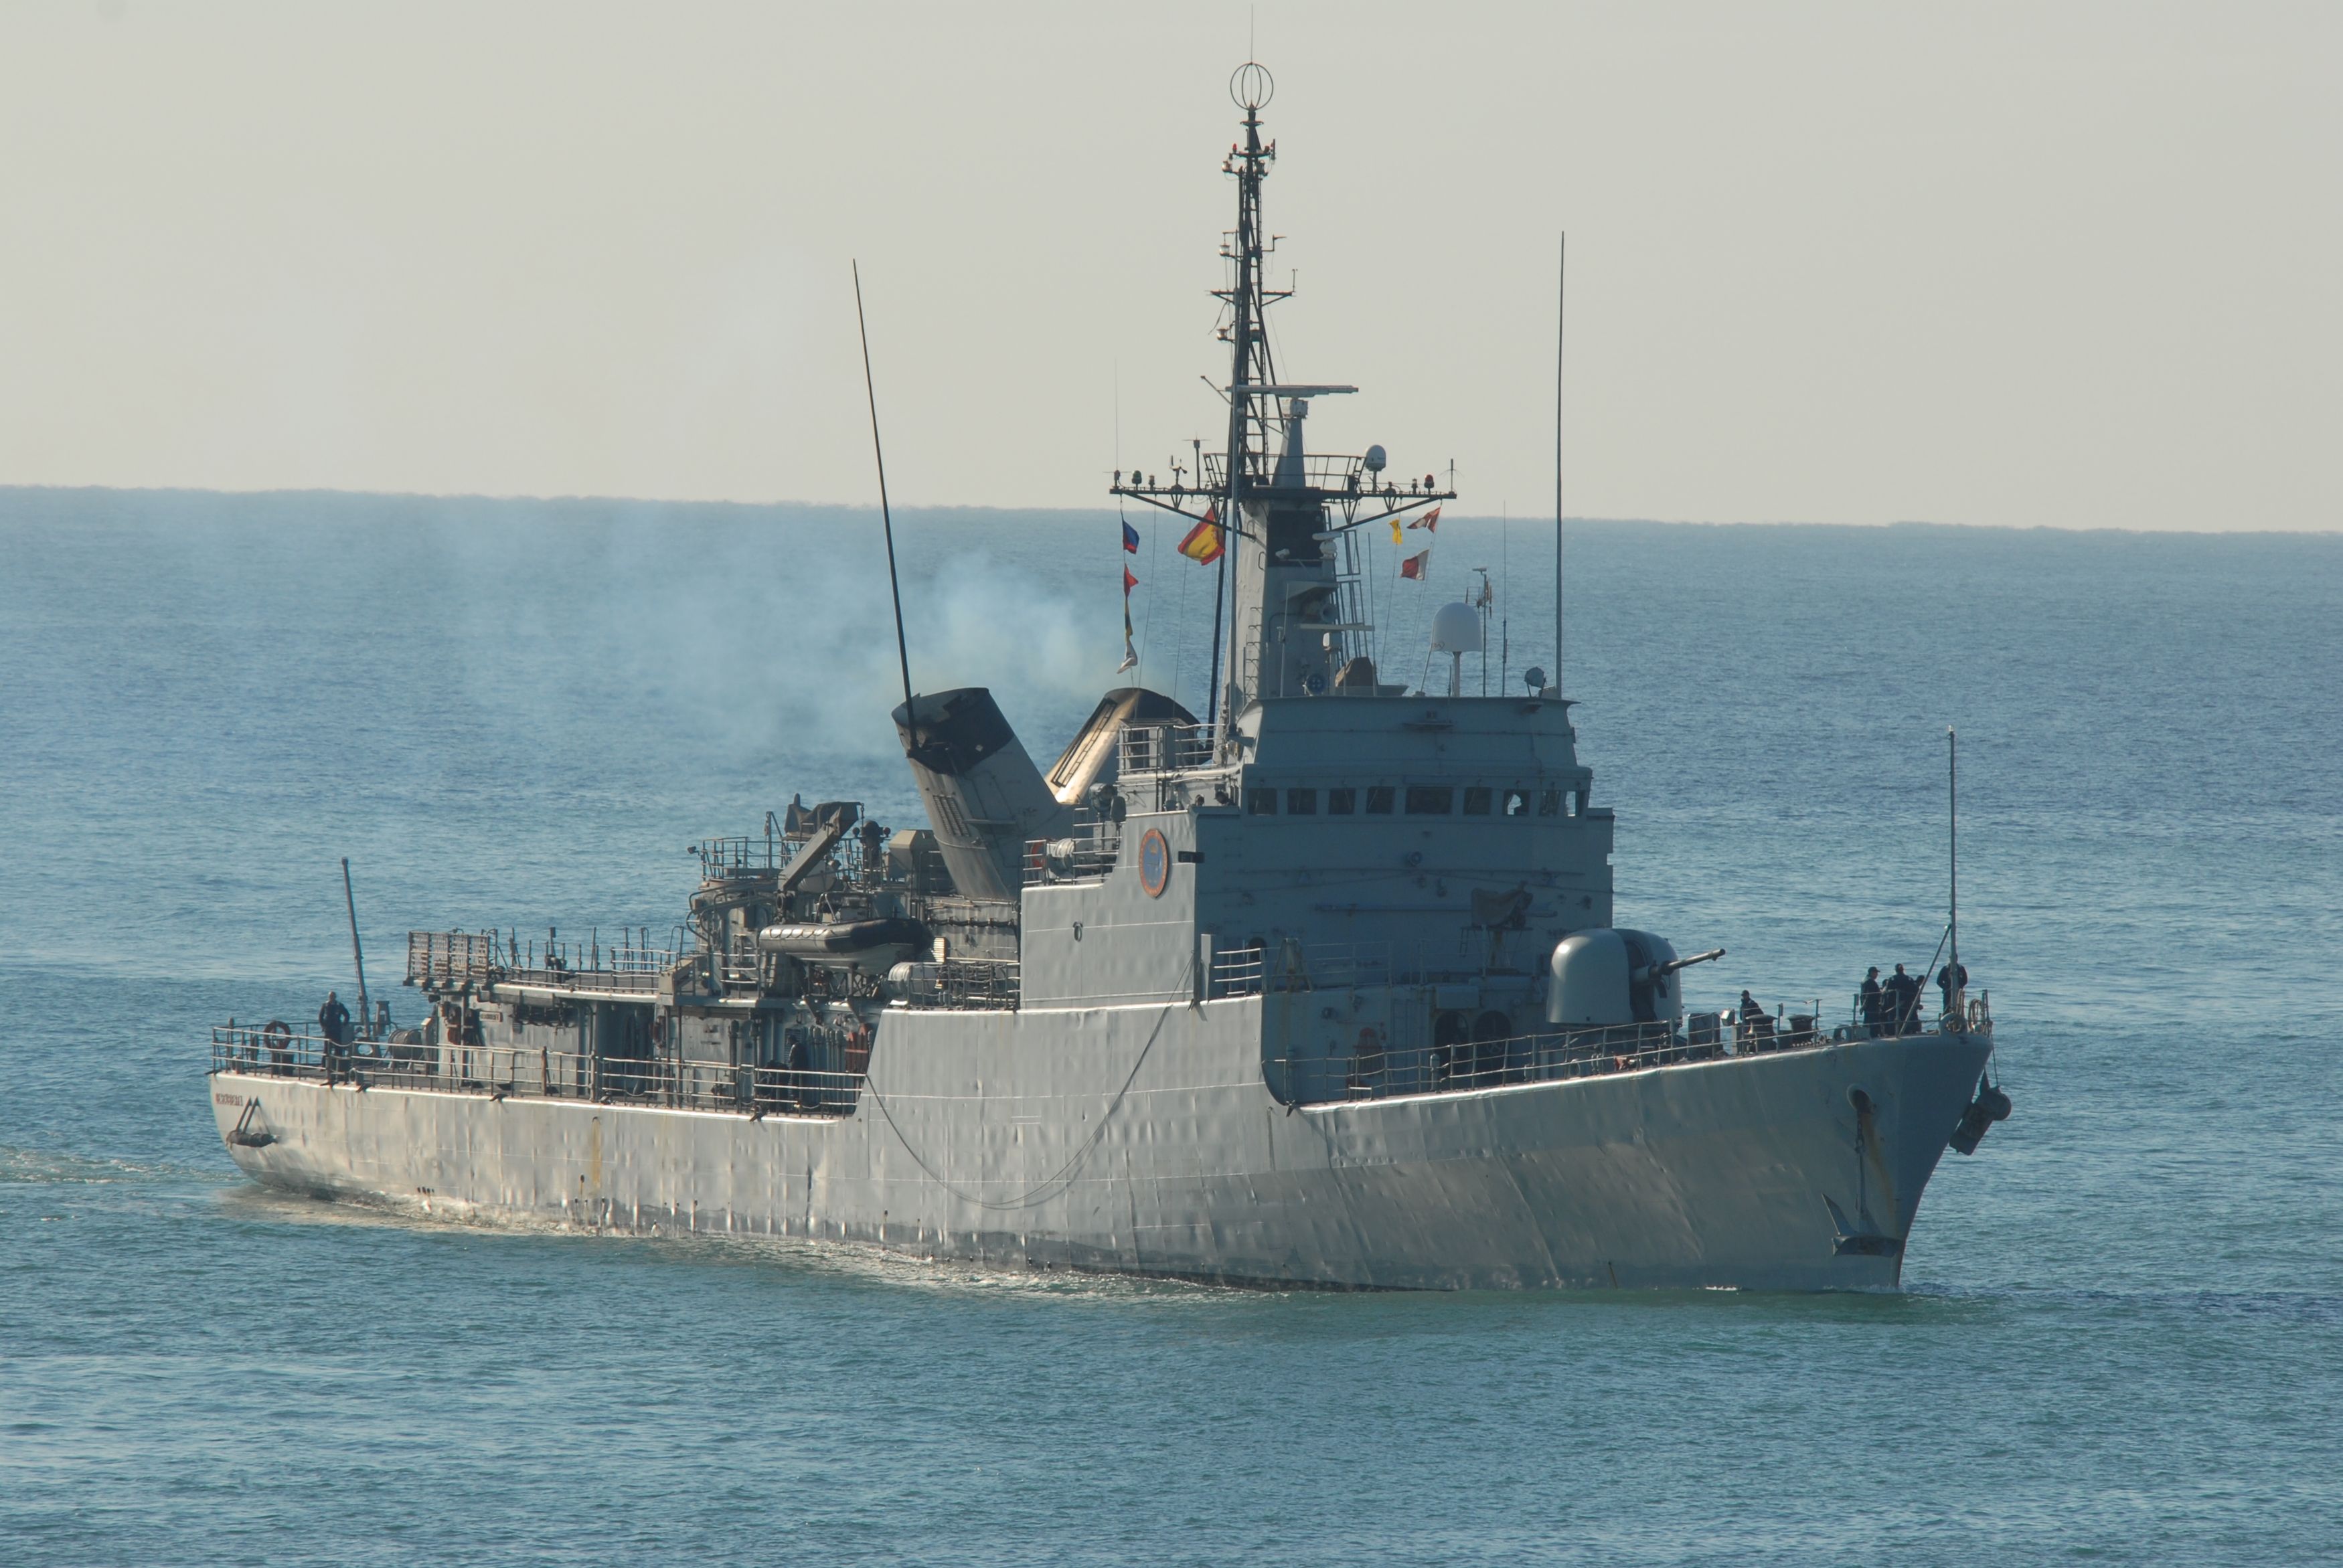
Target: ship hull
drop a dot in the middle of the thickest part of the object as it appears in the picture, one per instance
(1143, 1141)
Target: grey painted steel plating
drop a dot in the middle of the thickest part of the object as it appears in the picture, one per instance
(1141, 1139)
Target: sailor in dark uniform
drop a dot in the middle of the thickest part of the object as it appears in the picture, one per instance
(1904, 999)
(1875, 1004)
(334, 1023)
(1951, 980)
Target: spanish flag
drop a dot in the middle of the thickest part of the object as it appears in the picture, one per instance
(1203, 543)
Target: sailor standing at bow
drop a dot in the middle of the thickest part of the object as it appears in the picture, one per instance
(334, 1024)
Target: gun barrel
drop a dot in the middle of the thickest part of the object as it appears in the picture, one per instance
(1673, 965)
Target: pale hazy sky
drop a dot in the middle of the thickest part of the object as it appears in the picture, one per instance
(2026, 264)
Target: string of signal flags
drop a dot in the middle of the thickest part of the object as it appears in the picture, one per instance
(1203, 543)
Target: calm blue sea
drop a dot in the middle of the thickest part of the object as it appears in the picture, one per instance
(2122, 1335)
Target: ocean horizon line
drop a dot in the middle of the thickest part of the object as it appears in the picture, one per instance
(1092, 513)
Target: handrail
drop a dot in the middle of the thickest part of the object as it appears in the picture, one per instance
(1163, 747)
(974, 983)
(1975, 1015)
(1378, 1072)
(1086, 853)
(505, 1071)
(448, 960)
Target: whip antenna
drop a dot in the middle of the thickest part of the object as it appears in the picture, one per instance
(886, 518)
(357, 953)
(1953, 854)
(1561, 282)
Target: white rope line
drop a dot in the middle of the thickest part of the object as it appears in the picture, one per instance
(1062, 1176)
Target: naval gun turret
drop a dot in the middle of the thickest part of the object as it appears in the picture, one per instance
(1605, 978)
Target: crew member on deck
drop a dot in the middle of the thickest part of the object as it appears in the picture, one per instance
(1756, 1026)
(1904, 998)
(1875, 1004)
(334, 1023)
(1951, 980)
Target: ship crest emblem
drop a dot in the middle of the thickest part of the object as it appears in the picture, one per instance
(1154, 863)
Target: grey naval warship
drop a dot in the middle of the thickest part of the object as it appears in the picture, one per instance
(1321, 989)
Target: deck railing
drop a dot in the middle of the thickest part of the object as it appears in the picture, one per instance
(1976, 1015)
(1163, 747)
(957, 983)
(1469, 1064)
(504, 1071)
(445, 960)
(1293, 965)
(1087, 853)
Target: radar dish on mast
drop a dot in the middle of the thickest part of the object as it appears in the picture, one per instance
(1252, 86)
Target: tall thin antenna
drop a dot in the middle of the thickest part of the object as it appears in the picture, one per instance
(1953, 856)
(886, 517)
(1561, 283)
(358, 954)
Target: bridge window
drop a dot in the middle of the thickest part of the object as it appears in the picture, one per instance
(1549, 802)
(1517, 802)
(1434, 800)
(1476, 800)
(1301, 802)
(1261, 802)
(1379, 800)
(1341, 802)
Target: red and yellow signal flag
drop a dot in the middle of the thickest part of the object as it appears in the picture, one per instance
(1203, 543)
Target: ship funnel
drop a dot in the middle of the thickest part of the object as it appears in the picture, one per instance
(984, 797)
(1092, 755)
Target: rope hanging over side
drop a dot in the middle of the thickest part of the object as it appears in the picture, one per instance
(1058, 1179)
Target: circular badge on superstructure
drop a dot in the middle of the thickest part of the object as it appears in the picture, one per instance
(1154, 863)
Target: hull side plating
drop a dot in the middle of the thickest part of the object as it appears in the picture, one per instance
(1143, 1140)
